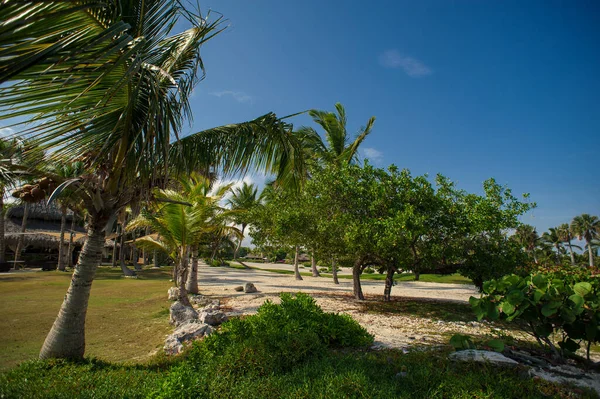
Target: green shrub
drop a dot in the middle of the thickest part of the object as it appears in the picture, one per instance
(307, 264)
(565, 301)
(369, 270)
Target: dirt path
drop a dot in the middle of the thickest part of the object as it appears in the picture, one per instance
(390, 329)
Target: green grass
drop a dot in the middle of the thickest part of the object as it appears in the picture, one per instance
(126, 319)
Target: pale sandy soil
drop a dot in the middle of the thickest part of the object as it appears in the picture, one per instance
(389, 329)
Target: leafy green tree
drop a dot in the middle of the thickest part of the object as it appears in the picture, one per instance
(10, 169)
(527, 236)
(242, 200)
(121, 116)
(587, 227)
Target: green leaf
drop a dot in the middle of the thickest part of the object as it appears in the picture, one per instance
(582, 288)
(567, 315)
(550, 308)
(537, 295)
(461, 342)
(515, 297)
(591, 331)
(540, 281)
(496, 344)
(489, 287)
(569, 345)
(492, 311)
(474, 301)
(544, 330)
(507, 308)
(577, 300)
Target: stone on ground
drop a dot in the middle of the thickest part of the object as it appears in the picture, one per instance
(213, 318)
(173, 293)
(480, 356)
(180, 313)
(186, 332)
(239, 288)
(249, 288)
(566, 374)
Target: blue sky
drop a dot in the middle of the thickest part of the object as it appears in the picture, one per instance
(469, 89)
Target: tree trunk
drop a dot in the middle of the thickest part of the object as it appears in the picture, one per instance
(155, 258)
(591, 253)
(192, 278)
(356, 286)
(66, 339)
(389, 283)
(22, 236)
(571, 253)
(136, 255)
(417, 276)
(313, 265)
(334, 271)
(61, 244)
(71, 237)
(296, 269)
(126, 271)
(237, 248)
(182, 278)
(2, 239)
(114, 253)
(557, 254)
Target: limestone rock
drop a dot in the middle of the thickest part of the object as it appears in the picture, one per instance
(173, 293)
(186, 332)
(474, 355)
(249, 288)
(213, 318)
(180, 313)
(239, 288)
(565, 374)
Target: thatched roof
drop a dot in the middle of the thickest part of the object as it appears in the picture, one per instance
(40, 211)
(41, 240)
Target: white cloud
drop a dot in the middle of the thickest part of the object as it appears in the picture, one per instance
(238, 96)
(411, 66)
(6, 131)
(373, 155)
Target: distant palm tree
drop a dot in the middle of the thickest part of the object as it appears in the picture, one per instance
(566, 235)
(528, 238)
(553, 238)
(587, 227)
(10, 159)
(242, 200)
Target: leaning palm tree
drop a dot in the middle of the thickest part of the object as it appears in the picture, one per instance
(552, 238)
(527, 236)
(243, 200)
(108, 84)
(587, 227)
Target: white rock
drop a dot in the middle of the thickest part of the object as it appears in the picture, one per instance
(173, 293)
(212, 318)
(180, 313)
(474, 355)
(186, 332)
(568, 375)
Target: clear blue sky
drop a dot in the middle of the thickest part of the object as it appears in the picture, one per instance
(469, 89)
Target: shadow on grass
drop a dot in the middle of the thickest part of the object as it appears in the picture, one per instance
(110, 273)
(420, 307)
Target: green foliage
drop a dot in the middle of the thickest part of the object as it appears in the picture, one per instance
(566, 301)
(461, 342)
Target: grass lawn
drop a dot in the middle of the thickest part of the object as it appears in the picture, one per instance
(127, 319)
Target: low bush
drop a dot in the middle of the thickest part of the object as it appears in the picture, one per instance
(306, 264)
(564, 301)
(369, 270)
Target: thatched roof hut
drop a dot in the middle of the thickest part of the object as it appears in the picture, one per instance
(41, 240)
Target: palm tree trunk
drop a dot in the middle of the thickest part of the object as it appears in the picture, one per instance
(239, 243)
(22, 236)
(571, 253)
(182, 278)
(155, 258)
(66, 339)
(296, 269)
(389, 283)
(71, 237)
(2, 239)
(61, 245)
(590, 253)
(192, 278)
(356, 286)
(313, 265)
(334, 271)
(114, 253)
(126, 271)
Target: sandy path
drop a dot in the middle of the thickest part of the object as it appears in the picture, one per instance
(390, 330)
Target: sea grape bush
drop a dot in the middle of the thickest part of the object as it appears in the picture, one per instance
(557, 305)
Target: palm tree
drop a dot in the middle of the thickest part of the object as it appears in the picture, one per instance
(587, 227)
(242, 200)
(527, 236)
(566, 235)
(553, 238)
(108, 84)
(10, 159)
(336, 149)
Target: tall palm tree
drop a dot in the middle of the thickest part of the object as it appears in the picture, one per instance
(108, 84)
(337, 148)
(587, 227)
(566, 235)
(10, 166)
(243, 199)
(527, 236)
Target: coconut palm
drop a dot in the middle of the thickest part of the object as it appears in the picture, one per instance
(587, 227)
(337, 148)
(243, 199)
(10, 159)
(553, 238)
(108, 84)
(527, 236)
(566, 235)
